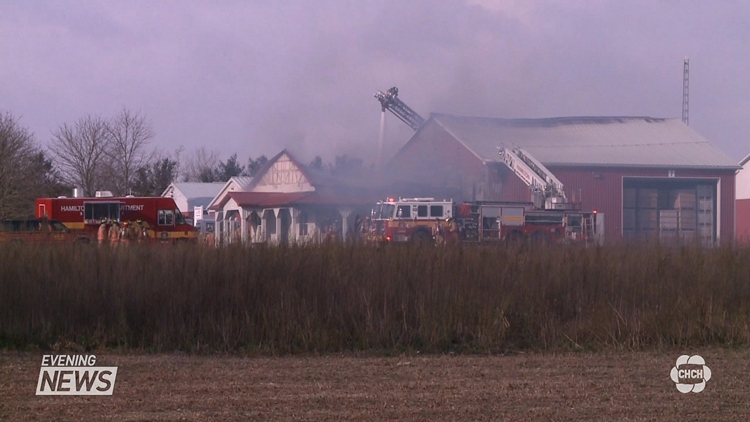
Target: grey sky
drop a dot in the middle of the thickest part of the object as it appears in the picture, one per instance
(253, 77)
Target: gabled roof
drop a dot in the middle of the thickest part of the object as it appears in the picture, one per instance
(236, 183)
(320, 187)
(194, 189)
(266, 167)
(594, 141)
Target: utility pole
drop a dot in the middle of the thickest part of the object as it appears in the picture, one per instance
(685, 91)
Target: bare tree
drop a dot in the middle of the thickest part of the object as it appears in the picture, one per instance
(200, 165)
(80, 152)
(127, 150)
(25, 171)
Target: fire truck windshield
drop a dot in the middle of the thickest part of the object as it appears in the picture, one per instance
(178, 217)
(58, 226)
(384, 211)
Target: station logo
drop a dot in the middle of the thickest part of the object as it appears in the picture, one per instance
(690, 373)
(75, 375)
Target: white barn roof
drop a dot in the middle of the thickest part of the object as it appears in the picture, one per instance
(598, 141)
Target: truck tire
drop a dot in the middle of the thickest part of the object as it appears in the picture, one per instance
(540, 238)
(515, 239)
(421, 237)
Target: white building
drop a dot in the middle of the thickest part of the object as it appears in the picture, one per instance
(287, 202)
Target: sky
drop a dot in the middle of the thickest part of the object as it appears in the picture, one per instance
(253, 77)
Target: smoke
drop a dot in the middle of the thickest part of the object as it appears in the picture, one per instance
(255, 77)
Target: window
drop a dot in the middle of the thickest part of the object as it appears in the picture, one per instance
(436, 211)
(166, 218)
(179, 218)
(96, 211)
(404, 211)
(422, 211)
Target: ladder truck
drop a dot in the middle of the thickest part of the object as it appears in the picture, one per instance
(546, 190)
(389, 101)
(427, 220)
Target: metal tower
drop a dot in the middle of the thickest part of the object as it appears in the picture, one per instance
(685, 91)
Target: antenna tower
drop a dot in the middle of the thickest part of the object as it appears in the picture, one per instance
(685, 91)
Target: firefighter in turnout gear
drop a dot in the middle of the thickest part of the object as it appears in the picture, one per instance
(451, 230)
(141, 233)
(125, 232)
(114, 233)
(101, 234)
(438, 232)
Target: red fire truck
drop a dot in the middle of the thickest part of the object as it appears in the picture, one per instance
(419, 219)
(159, 215)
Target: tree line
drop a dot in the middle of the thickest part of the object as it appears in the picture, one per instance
(112, 154)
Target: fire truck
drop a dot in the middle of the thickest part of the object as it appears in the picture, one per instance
(417, 220)
(160, 216)
(548, 218)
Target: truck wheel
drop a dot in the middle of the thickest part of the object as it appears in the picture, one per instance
(514, 239)
(421, 238)
(540, 239)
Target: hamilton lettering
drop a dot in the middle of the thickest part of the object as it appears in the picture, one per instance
(71, 208)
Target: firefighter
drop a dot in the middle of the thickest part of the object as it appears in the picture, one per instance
(438, 232)
(125, 232)
(451, 230)
(101, 234)
(141, 232)
(114, 233)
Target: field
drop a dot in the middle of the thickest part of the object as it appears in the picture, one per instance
(570, 386)
(352, 332)
(334, 298)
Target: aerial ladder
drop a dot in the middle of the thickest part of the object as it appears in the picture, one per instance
(546, 189)
(389, 101)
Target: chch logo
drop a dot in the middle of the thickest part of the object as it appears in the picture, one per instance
(690, 373)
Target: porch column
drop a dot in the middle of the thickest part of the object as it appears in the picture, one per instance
(345, 213)
(263, 227)
(218, 229)
(294, 212)
(243, 226)
(277, 214)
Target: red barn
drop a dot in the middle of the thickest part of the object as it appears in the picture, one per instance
(647, 176)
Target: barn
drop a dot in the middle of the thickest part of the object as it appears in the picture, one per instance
(648, 177)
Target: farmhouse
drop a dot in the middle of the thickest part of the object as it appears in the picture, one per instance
(288, 202)
(645, 176)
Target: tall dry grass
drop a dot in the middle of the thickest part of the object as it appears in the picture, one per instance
(383, 299)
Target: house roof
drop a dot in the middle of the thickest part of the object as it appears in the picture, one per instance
(594, 141)
(195, 190)
(328, 189)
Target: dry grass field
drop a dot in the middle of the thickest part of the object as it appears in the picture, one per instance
(616, 386)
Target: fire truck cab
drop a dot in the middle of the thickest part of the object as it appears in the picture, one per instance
(408, 219)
